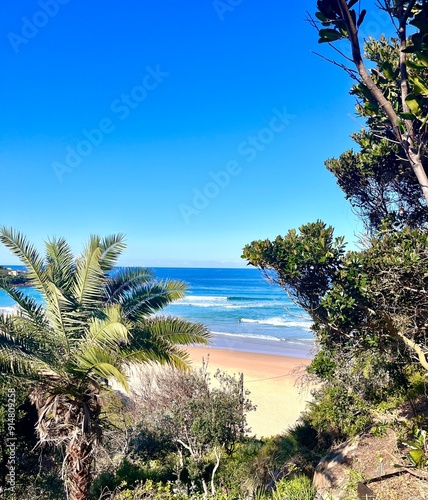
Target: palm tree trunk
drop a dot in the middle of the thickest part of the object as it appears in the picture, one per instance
(78, 469)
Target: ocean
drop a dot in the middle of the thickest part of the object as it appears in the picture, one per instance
(243, 311)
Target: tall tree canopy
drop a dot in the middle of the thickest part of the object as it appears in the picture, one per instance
(358, 300)
(392, 90)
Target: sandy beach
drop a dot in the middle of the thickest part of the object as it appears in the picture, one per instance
(271, 380)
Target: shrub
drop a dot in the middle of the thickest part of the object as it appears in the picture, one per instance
(338, 414)
(297, 488)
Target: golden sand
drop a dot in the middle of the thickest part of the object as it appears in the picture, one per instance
(272, 380)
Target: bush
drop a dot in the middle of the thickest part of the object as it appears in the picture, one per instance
(338, 414)
(298, 488)
(236, 475)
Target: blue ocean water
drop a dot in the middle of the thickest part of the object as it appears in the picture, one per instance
(243, 311)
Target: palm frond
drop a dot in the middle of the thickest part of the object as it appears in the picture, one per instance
(14, 362)
(20, 333)
(60, 263)
(111, 249)
(27, 253)
(100, 363)
(172, 330)
(144, 300)
(60, 312)
(125, 279)
(111, 332)
(89, 277)
(157, 352)
(158, 340)
(27, 305)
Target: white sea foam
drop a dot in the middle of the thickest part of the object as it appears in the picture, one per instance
(299, 341)
(201, 299)
(277, 321)
(223, 302)
(9, 310)
(204, 298)
(248, 336)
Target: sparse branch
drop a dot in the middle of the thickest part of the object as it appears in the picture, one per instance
(351, 72)
(216, 466)
(314, 24)
(405, 17)
(407, 141)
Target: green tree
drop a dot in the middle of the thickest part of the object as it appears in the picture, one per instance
(375, 298)
(393, 95)
(201, 422)
(95, 323)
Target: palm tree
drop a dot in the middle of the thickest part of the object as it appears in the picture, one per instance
(95, 323)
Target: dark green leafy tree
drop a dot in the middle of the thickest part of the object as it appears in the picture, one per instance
(376, 298)
(379, 185)
(393, 95)
(95, 323)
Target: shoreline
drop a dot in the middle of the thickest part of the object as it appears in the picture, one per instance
(261, 345)
(271, 379)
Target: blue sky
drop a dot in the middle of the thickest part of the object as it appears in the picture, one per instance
(193, 128)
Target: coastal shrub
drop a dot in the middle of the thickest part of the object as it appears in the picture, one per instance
(196, 424)
(149, 490)
(130, 474)
(236, 475)
(337, 414)
(296, 451)
(297, 488)
(323, 365)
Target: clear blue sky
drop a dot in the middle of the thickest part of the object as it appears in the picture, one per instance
(209, 125)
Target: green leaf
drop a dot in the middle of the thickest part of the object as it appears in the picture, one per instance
(411, 49)
(420, 85)
(329, 35)
(321, 16)
(422, 58)
(407, 116)
(361, 17)
(414, 65)
(417, 456)
(388, 71)
(413, 104)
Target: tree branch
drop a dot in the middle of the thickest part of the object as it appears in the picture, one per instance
(410, 343)
(404, 77)
(362, 70)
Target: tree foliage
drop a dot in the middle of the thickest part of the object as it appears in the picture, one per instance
(94, 324)
(203, 422)
(392, 92)
(358, 300)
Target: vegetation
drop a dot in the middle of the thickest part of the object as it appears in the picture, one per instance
(180, 436)
(188, 440)
(368, 307)
(393, 95)
(17, 278)
(95, 323)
